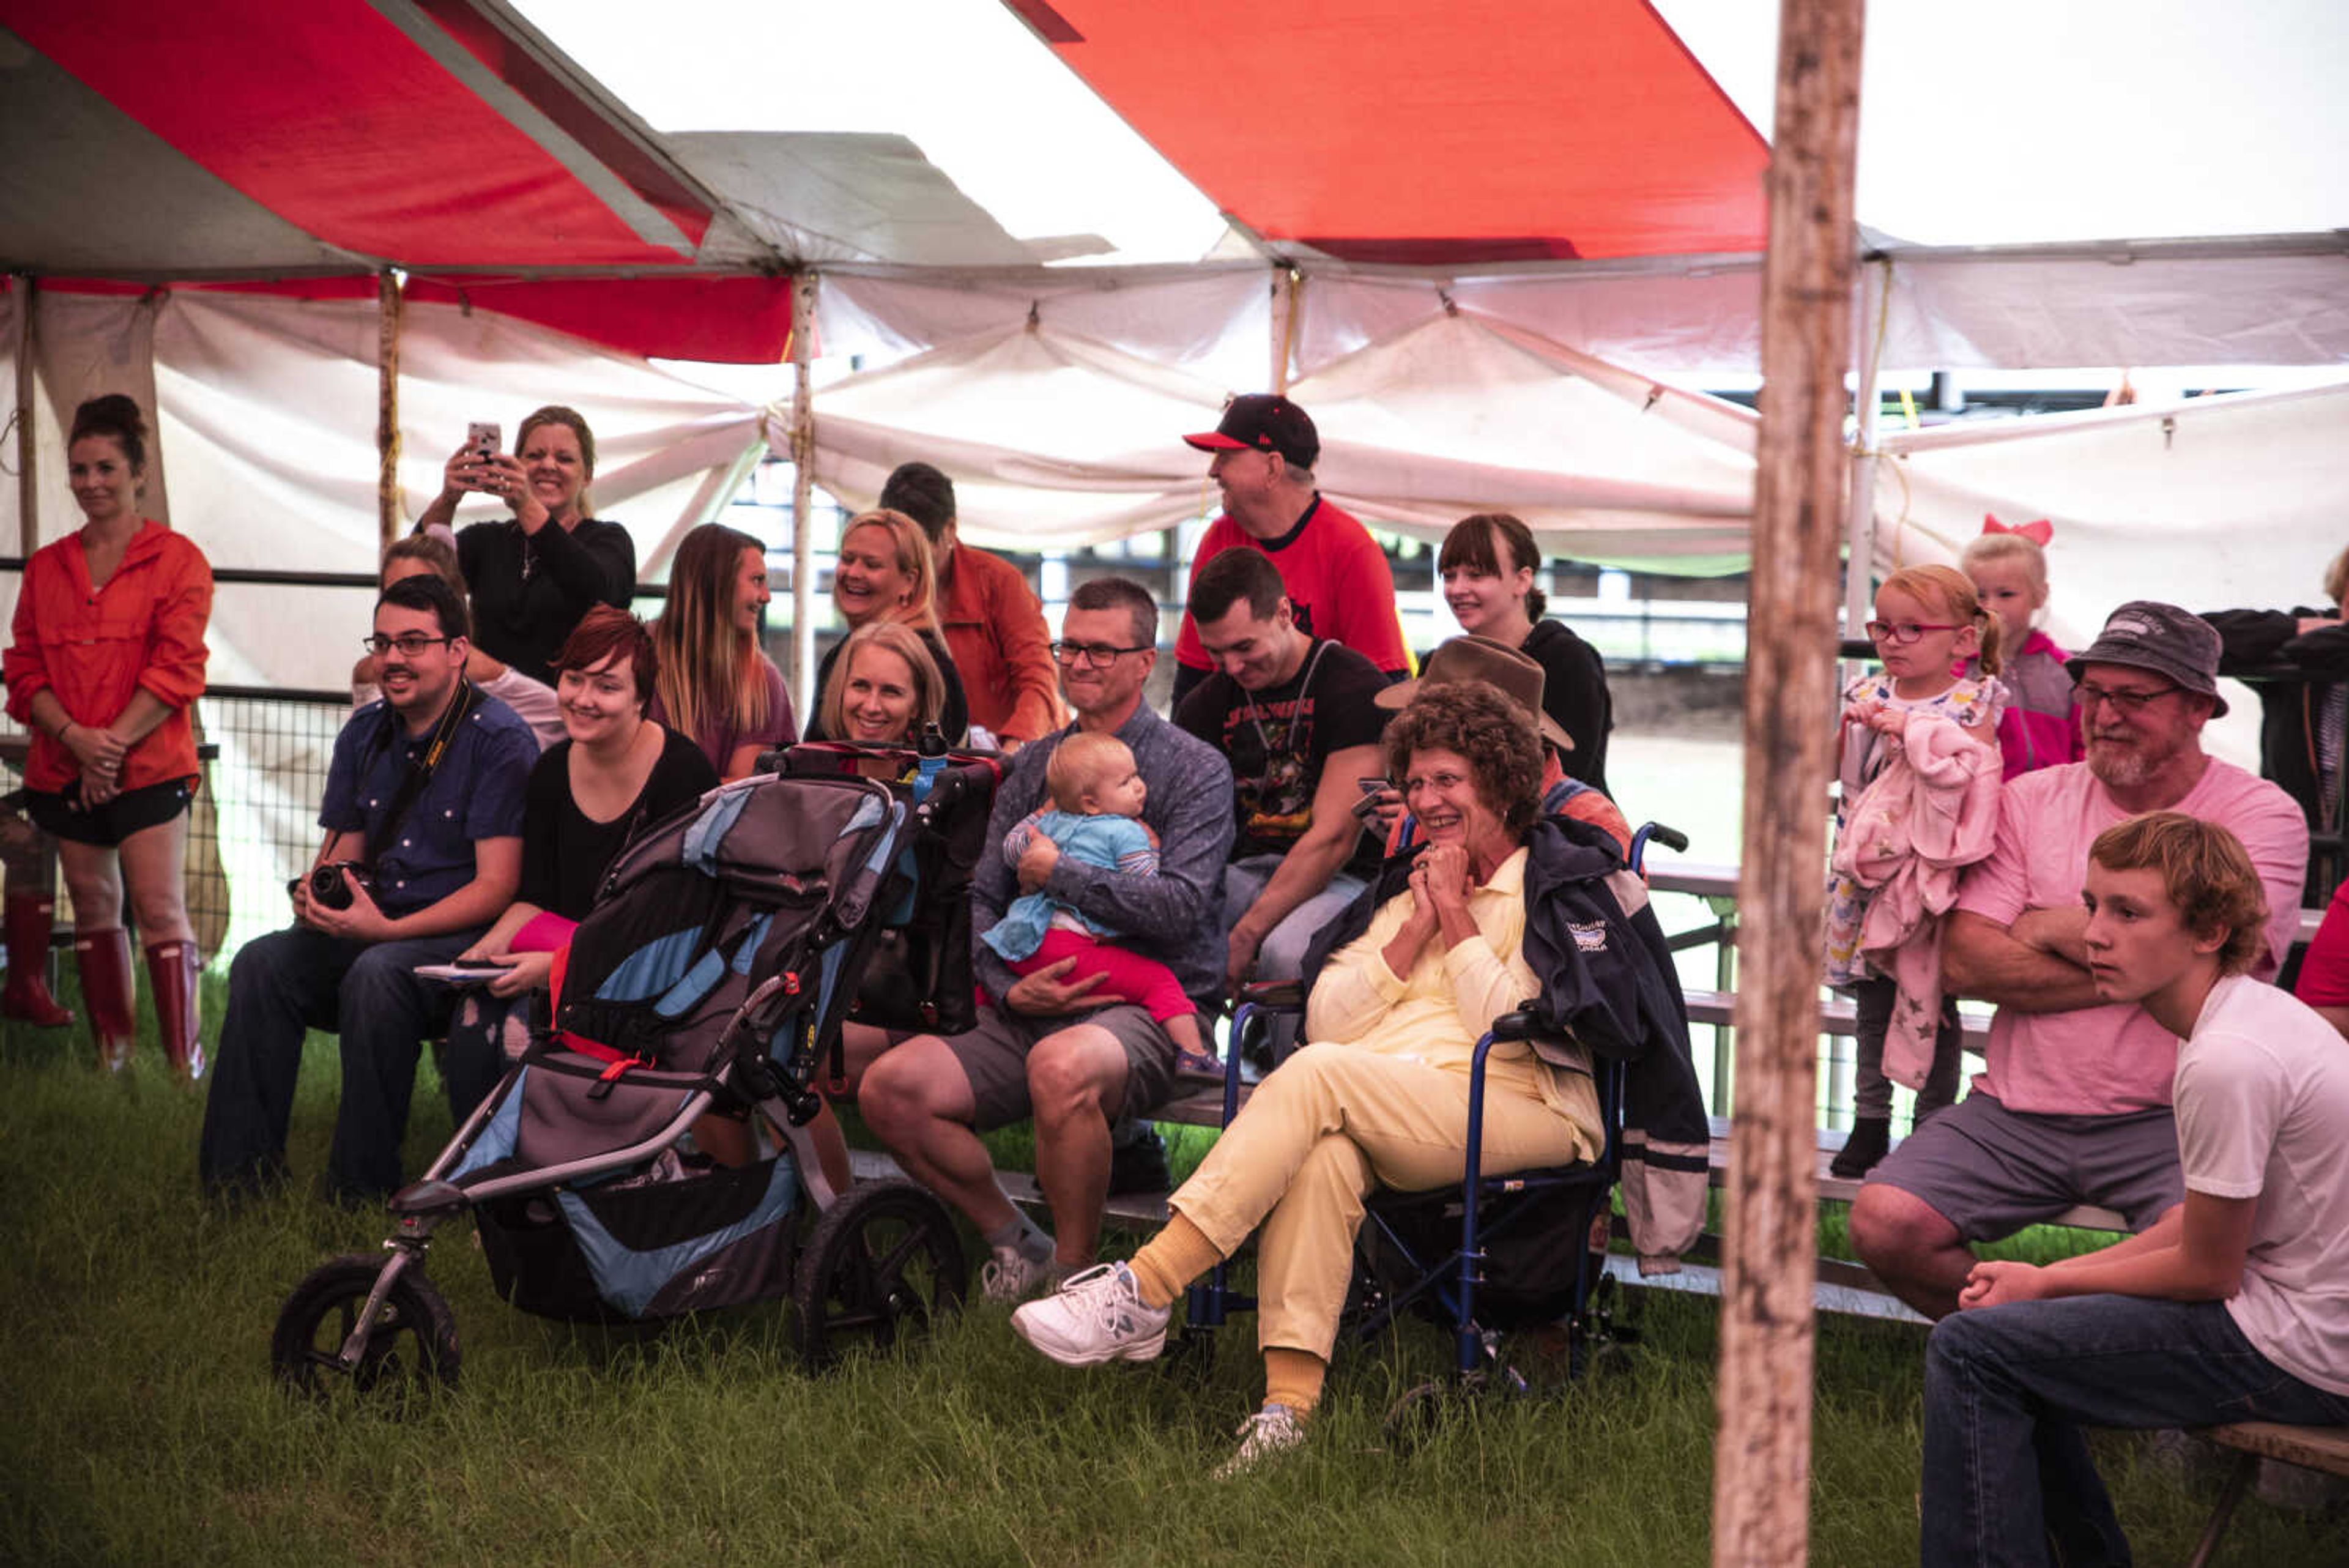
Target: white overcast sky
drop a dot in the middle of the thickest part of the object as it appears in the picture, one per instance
(1984, 123)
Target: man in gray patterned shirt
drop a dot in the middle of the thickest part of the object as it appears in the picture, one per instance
(1047, 1048)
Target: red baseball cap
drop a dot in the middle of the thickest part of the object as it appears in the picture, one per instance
(1263, 422)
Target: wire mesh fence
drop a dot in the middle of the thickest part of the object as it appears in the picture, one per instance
(255, 820)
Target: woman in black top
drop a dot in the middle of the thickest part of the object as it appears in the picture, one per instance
(1487, 565)
(588, 796)
(884, 573)
(533, 577)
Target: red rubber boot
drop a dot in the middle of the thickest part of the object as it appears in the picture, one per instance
(103, 957)
(30, 919)
(173, 969)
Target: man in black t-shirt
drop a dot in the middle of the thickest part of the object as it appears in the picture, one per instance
(1294, 716)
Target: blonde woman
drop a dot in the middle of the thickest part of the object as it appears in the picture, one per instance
(715, 685)
(884, 573)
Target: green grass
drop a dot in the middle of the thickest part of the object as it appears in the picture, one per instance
(141, 1425)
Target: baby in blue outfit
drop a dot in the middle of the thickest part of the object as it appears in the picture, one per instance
(1095, 817)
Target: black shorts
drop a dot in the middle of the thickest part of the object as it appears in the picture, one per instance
(61, 815)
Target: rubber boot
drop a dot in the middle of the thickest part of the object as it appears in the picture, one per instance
(103, 957)
(30, 919)
(173, 972)
(1870, 1138)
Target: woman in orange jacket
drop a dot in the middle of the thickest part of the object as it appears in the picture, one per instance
(109, 653)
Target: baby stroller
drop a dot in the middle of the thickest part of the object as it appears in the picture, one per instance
(1500, 1253)
(726, 947)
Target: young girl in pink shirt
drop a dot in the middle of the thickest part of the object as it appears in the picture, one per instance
(2009, 568)
(1939, 650)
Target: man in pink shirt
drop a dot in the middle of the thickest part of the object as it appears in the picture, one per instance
(2074, 1105)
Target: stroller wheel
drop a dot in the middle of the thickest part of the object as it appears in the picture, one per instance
(883, 1260)
(411, 1349)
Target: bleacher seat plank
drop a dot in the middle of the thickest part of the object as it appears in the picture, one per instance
(2322, 1448)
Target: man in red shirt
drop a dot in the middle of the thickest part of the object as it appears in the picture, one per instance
(1339, 583)
(994, 624)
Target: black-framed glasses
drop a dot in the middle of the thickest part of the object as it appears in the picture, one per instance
(2087, 694)
(1094, 655)
(410, 644)
(1905, 632)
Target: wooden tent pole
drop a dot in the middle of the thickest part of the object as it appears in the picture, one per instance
(28, 485)
(803, 287)
(1761, 1471)
(389, 522)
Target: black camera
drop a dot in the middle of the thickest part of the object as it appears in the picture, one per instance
(327, 889)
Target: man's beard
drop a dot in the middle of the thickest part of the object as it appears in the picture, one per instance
(2120, 765)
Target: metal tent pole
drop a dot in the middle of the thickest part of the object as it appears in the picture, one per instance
(803, 290)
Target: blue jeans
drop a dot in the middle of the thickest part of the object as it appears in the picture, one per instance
(289, 981)
(2007, 1476)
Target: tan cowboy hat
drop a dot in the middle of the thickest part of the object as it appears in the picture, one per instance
(1498, 664)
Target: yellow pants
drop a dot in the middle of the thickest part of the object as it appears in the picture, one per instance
(1314, 1139)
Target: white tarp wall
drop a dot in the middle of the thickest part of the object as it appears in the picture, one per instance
(2221, 503)
(1058, 437)
(265, 413)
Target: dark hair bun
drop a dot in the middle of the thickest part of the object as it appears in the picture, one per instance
(113, 414)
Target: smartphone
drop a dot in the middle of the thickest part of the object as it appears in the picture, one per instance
(484, 438)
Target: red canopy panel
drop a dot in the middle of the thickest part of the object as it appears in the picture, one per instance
(723, 321)
(729, 320)
(1405, 130)
(331, 116)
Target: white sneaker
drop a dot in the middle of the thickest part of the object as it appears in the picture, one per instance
(1274, 1429)
(1096, 1316)
(1011, 1277)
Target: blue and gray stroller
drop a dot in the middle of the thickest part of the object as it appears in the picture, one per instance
(727, 946)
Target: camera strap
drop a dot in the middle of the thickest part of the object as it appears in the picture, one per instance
(421, 768)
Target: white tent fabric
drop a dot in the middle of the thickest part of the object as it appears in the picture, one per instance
(2213, 503)
(265, 415)
(1461, 415)
(2260, 303)
(2027, 311)
(1057, 438)
(1053, 438)
(1213, 321)
(1687, 317)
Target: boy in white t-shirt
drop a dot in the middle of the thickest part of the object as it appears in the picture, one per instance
(2234, 1307)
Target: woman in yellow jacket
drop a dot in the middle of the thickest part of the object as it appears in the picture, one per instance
(109, 654)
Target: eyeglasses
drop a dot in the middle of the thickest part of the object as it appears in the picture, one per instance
(1905, 632)
(2130, 703)
(410, 644)
(1093, 655)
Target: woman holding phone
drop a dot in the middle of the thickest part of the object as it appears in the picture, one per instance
(534, 575)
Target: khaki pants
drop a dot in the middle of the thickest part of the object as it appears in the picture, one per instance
(1317, 1136)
